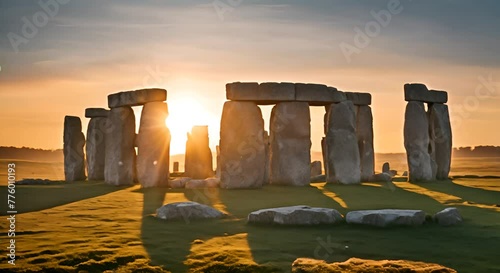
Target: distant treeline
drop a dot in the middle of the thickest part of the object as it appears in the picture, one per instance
(26, 153)
(478, 151)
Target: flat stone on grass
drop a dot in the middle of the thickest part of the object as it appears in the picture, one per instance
(386, 217)
(295, 215)
(188, 211)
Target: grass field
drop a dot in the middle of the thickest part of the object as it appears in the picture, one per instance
(90, 226)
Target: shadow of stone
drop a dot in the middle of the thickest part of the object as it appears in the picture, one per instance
(473, 195)
(31, 198)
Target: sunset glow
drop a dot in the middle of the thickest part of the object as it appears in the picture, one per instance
(184, 113)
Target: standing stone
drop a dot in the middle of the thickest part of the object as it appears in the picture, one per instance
(96, 147)
(416, 139)
(242, 147)
(342, 145)
(120, 152)
(176, 167)
(198, 158)
(324, 151)
(364, 133)
(316, 168)
(386, 167)
(153, 146)
(441, 136)
(290, 139)
(217, 168)
(267, 174)
(73, 140)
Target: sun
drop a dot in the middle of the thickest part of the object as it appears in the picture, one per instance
(184, 113)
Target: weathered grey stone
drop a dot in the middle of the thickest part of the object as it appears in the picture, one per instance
(318, 94)
(448, 217)
(202, 183)
(217, 158)
(267, 144)
(386, 217)
(178, 183)
(386, 167)
(316, 168)
(153, 146)
(188, 211)
(264, 93)
(342, 145)
(73, 142)
(359, 98)
(380, 177)
(137, 97)
(242, 147)
(419, 92)
(393, 173)
(364, 133)
(96, 113)
(296, 215)
(405, 173)
(324, 151)
(290, 138)
(120, 153)
(441, 137)
(198, 157)
(96, 147)
(416, 140)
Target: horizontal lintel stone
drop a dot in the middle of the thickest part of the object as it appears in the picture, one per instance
(419, 92)
(264, 93)
(318, 94)
(137, 97)
(96, 113)
(358, 98)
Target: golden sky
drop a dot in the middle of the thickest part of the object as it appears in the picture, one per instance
(89, 50)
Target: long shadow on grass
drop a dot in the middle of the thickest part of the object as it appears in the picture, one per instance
(169, 243)
(274, 248)
(469, 194)
(29, 198)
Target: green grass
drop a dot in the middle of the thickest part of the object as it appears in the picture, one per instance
(95, 227)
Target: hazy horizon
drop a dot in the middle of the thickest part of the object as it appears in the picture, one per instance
(88, 50)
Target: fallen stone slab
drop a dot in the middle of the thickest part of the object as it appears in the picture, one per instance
(202, 183)
(419, 92)
(355, 265)
(359, 98)
(448, 217)
(188, 211)
(262, 94)
(386, 217)
(96, 113)
(381, 177)
(295, 215)
(137, 97)
(178, 183)
(318, 94)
